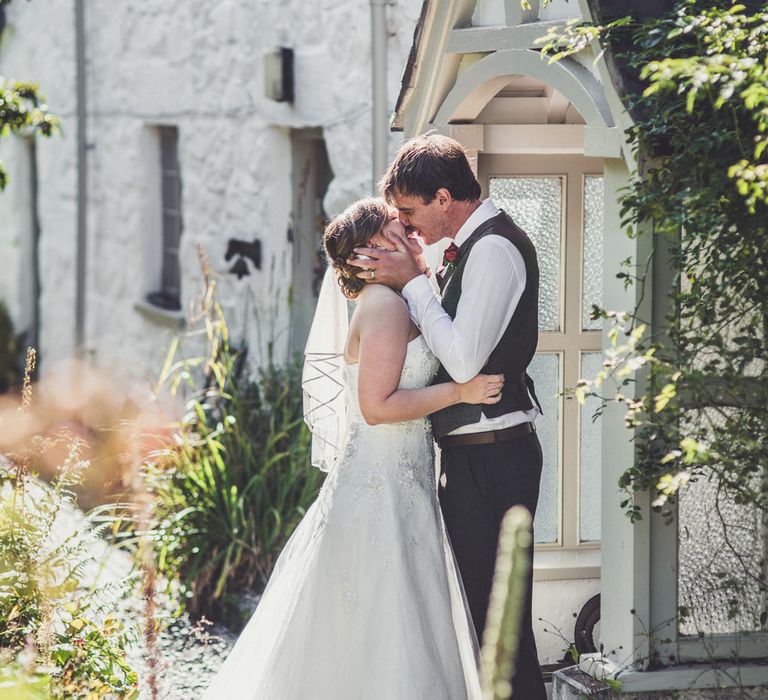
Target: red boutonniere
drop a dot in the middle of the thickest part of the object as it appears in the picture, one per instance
(451, 255)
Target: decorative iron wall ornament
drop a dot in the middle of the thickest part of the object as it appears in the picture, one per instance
(243, 249)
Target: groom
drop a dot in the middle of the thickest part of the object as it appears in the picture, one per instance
(486, 320)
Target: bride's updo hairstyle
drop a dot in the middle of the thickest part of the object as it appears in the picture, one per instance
(351, 229)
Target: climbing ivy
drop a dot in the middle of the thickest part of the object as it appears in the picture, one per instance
(700, 131)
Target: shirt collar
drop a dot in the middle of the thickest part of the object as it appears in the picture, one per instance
(487, 210)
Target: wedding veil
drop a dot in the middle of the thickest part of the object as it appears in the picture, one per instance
(322, 379)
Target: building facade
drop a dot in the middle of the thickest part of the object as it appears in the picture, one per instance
(236, 126)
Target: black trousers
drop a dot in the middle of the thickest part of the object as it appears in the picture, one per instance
(479, 484)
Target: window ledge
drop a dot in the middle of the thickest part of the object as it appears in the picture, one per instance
(561, 564)
(163, 317)
(692, 676)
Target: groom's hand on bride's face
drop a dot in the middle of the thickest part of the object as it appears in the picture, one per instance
(411, 241)
(395, 268)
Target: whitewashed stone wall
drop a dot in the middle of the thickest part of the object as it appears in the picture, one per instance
(196, 65)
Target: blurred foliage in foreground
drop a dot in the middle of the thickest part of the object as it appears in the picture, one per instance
(58, 637)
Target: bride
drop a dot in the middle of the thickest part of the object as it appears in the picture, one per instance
(365, 602)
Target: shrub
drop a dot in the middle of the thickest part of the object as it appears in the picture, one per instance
(227, 498)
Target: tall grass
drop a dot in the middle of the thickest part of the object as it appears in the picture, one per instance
(229, 495)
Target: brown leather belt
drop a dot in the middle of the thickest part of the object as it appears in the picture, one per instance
(487, 438)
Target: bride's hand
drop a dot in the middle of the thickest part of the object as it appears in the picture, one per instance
(484, 388)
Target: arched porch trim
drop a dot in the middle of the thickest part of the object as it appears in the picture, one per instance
(477, 86)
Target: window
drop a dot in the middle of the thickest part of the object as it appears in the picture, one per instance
(168, 296)
(558, 201)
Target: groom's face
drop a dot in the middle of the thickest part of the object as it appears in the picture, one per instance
(428, 219)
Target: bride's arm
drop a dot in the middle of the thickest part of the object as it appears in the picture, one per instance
(384, 329)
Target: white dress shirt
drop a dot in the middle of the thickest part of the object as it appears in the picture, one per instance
(491, 287)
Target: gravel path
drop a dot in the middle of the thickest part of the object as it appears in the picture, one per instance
(189, 655)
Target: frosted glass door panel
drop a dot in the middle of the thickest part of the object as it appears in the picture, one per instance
(592, 268)
(721, 548)
(536, 205)
(590, 455)
(545, 372)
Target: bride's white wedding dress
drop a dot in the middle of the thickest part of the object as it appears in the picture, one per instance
(365, 602)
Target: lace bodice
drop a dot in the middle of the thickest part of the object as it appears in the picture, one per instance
(418, 369)
(389, 457)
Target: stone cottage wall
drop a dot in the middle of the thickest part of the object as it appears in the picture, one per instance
(197, 66)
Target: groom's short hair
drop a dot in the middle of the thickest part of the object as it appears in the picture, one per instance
(426, 163)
